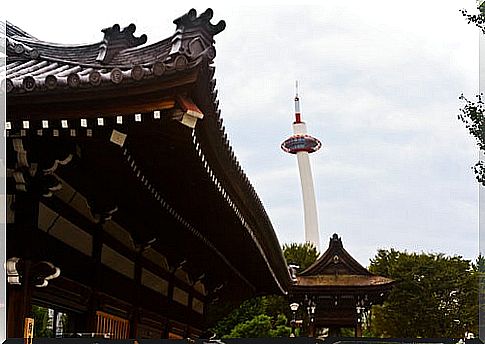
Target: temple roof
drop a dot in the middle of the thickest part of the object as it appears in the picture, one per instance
(72, 87)
(335, 261)
(337, 268)
(121, 56)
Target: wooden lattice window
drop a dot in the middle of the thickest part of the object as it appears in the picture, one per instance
(115, 327)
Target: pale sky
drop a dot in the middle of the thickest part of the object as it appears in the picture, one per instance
(379, 86)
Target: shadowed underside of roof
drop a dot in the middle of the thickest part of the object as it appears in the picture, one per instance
(55, 82)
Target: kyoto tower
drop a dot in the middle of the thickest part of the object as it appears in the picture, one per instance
(301, 144)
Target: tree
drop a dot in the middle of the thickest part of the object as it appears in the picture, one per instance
(474, 118)
(265, 316)
(472, 112)
(435, 295)
(302, 255)
(271, 306)
(261, 326)
(477, 19)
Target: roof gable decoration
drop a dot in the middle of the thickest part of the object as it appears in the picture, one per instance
(335, 260)
(194, 37)
(116, 40)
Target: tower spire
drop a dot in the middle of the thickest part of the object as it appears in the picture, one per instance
(297, 105)
(301, 144)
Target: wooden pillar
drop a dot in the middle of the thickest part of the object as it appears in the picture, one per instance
(358, 329)
(135, 317)
(171, 282)
(20, 297)
(190, 315)
(334, 331)
(166, 329)
(95, 282)
(311, 328)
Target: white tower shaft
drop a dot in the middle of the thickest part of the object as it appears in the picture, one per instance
(308, 192)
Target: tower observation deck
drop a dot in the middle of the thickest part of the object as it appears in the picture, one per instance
(301, 144)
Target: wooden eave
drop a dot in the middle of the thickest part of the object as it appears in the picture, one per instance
(329, 281)
(151, 95)
(257, 253)
(89, 103)
(331, 287)
(223, 160)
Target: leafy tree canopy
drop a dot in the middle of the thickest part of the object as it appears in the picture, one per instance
(435, 295)
(271, 306)
(474, 118)
(477, 19)
(302, 255)
(472, 112)
(261, 326)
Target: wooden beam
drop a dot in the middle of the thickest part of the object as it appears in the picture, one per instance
(91, 109)
(146, 92)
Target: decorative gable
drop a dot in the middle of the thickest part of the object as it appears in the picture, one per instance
(335, 261)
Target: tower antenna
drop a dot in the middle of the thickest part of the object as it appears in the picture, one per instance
(301, 144)
(297, 104)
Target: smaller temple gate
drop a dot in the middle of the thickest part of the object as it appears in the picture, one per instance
(337, 292)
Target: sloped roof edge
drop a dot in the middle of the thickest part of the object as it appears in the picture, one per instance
(335, 260)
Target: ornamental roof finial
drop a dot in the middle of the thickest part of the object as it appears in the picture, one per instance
(116, 40)
(191, 20)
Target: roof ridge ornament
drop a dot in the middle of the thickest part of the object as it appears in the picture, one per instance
(190, 20)
(194, 36)
(116, 40)
(336, 240)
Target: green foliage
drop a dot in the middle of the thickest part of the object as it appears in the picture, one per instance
(272, 306)
(261, 326)
(435, 295)
(280, 329)
(302, 255)
(472, 113)
(474, 118)
(347, 332)
(42, 322)
(265, 316)
(477, 19)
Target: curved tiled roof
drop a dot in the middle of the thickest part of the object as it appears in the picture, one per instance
(337, 268)
(38, 66)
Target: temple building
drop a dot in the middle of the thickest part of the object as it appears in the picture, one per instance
(129, 215)
(337, 292)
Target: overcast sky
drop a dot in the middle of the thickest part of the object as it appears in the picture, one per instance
(379, 86)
